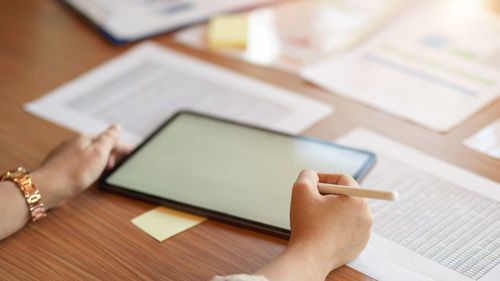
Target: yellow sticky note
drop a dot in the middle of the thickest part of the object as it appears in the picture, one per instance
(228, 31)
(162, 223)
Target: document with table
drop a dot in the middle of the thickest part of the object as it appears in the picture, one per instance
(430, 66)
(445, 225)
(143, 87)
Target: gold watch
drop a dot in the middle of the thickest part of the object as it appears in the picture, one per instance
(21, 177)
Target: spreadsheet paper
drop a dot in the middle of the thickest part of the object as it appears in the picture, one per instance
(145, 86)
(445, 226)
(433, 74)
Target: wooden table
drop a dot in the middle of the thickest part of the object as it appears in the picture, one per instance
(43, 45)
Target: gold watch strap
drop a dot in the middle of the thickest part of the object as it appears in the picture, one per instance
(21, 177)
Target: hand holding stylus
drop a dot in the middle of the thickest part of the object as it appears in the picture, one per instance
(326, 231)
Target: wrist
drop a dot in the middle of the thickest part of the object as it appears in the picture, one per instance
(293, 264)
(22, 178)
(322, 257)
(310, 257)
(51, 195)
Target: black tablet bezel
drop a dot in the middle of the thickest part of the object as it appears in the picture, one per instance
(219, 216)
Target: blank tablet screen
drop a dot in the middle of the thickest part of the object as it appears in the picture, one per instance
(230, 168)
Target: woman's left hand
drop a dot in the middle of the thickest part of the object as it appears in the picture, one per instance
(77, 163)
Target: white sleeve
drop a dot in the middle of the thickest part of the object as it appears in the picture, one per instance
(239, 277)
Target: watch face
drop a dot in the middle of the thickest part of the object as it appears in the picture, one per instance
(21, 170)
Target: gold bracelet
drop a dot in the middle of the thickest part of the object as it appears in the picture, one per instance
(31, 193)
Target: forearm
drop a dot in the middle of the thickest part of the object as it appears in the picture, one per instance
(296, 264)
(68, 170)
(14, 212)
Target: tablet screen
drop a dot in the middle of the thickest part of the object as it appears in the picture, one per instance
(229, 168)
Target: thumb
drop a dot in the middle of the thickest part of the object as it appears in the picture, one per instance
(107, 139)
(306, 185)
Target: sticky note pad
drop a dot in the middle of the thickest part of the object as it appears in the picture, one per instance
(162, 223)
(228, 31)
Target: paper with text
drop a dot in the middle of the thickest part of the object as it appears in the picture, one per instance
(445, 225)
(436, 65)
(145, 86)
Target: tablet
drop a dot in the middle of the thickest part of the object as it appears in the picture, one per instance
(228, 171)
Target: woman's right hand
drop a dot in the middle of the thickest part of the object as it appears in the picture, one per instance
(332, 229)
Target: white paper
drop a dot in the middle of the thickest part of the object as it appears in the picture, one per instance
(487, 140)
(435, 65)
(445, 225)
(292, 34)
(143, 87)
(130, 20)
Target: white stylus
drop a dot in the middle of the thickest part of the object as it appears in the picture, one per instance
(325, 188)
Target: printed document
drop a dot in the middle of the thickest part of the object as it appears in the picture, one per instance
(445, 225)
(435, 65)
(145, 86)
(129, 20)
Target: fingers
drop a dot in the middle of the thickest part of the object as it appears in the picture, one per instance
(119, 151)
(111, 162)
(341, 179)
(347, 180)
(79, 141)
(306, 185)
(105, 142)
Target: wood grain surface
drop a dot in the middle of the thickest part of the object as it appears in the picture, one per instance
(43, 44)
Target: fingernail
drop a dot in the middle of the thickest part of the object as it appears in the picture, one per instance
(115, 127)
